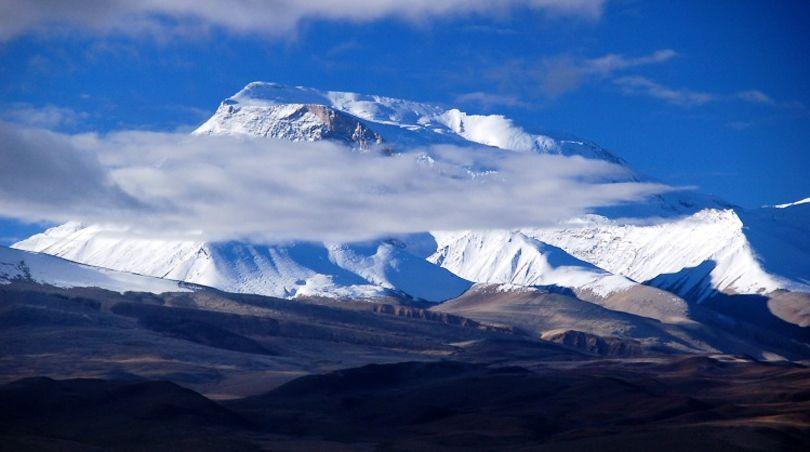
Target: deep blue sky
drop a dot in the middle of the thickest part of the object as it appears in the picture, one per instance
(729, 112)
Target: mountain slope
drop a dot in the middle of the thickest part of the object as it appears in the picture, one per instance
(559, 316)
(694, 256)
(512, 258)
(45, 269)
(361, 270)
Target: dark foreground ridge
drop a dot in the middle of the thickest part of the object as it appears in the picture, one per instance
(88, 369)
(680, 404)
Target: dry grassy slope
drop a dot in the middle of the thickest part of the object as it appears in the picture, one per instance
(540, 311)
(221, 344)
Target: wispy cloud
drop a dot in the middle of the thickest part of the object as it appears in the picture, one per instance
(740, 125)
(635, 85)
(611, 63)
(684, 97)
(488, 101)
(756, 97)
(47, 116)
(227, 187)
(153, 17)
(561, 74)
(554, 76)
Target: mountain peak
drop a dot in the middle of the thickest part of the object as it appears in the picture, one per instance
(254, 110)
(271, 93)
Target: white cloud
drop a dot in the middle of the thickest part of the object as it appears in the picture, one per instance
(683, 97)
(272, 18)
(634, 85)
(265, 189)
(756, 97)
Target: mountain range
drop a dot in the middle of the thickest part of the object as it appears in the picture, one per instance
(643, 270)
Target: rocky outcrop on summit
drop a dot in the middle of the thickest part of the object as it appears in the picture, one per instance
(293, 122)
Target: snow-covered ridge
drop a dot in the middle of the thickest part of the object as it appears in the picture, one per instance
(511, 257)
(692, 256)
(361, 270)
(45, 269)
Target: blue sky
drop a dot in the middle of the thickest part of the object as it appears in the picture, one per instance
(710, 94)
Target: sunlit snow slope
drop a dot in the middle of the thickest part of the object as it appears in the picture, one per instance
(54, 271)
(297, 269)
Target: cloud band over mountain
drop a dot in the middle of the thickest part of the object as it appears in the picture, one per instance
(238, 187)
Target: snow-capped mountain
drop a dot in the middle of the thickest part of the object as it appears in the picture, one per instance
(305, 114)
(688, 243)
(298, 113)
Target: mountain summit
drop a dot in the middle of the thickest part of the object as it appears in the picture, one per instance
(299, 114)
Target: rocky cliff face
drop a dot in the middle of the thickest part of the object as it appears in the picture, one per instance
(293, 122)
